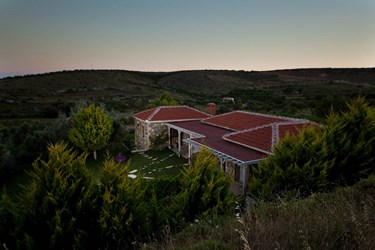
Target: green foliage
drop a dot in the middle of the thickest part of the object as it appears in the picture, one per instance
(340, 153)
(165, 99)
(350, 140)
(298, 163)
(122, 139)
(33, 136)
(7, 220)
(58, 208)
(123, 215)
(91, 129)
(204, 189)
(158, 142)
(65, 207)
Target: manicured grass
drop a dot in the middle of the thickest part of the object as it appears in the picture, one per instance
(157, 163)
(148, 164)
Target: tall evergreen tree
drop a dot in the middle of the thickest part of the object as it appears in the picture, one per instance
(340, 153)
(123, 216)
(204, 189)
(59, 209)
(91, 129)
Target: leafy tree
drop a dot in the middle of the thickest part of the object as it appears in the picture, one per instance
(204, 189)
(91, 129)
(165, 99)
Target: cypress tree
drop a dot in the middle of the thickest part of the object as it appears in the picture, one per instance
(204, 189)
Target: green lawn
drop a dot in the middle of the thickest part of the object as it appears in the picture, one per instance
(149, 164)
(156, 163)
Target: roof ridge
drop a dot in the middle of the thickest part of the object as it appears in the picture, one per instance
(301, 121)
(153, 113)
(220, 115)
(247, 130)
(143, 111)
(275, 130)
(218, 126)
(157, 109)
(275, 135)
(268, 115)
(284, 118)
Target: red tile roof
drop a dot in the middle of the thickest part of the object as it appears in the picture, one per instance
(171, 113)
(241, 120)
(263, 138)
(212, 137)
(243, 136)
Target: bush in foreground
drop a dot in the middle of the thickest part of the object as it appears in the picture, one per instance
(341, 153)
(64, 207)
(343, 219)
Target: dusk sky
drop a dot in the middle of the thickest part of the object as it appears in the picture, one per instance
(39, 36)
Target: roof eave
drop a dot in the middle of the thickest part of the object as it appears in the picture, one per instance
(247, 146)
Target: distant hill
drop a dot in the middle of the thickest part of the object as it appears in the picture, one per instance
(130, 91)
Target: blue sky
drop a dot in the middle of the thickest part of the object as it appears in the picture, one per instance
(166, 35)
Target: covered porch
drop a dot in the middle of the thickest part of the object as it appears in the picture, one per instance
(177, 141)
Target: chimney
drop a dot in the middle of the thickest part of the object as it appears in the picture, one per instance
(211, 108)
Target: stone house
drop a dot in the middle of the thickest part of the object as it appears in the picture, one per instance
(151, 123)
(239, 139)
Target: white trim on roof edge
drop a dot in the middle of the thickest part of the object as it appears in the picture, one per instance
(197, 135)
(267, 125)
(288, 119)
(247, 146)
(260, 114)
(157, 109)
(233, 159)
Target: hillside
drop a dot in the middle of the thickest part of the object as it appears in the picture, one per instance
(40, 95)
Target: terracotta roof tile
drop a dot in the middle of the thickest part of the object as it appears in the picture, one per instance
(171, 113)
(263, 138)
(213, 138)
(241, 120)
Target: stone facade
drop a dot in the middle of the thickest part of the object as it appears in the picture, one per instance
(145, 131)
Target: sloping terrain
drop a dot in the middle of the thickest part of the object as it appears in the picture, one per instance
(129, 91)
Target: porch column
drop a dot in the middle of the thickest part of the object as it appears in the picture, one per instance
(190, 151)
(222, 163)
(169, 137)
(179, 143)
(243, 179)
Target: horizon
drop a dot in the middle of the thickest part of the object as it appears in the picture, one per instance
(168, 36)
(174, 71)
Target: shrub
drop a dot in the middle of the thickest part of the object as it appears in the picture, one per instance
(124, 217)
(341, 153)
(204, 189)
(58, 208)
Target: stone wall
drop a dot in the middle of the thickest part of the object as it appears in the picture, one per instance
(154, 130)
(144, 131)
(141, 137)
